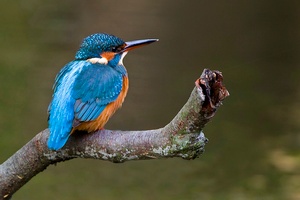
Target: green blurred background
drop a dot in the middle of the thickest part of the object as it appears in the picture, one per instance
(253, 151)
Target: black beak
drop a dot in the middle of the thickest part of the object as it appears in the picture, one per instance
(137, 43)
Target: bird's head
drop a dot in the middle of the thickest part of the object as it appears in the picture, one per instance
(105, 48)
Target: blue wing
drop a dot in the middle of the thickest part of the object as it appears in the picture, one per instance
(96, 87)
(81, 92)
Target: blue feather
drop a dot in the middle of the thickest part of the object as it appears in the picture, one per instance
(93, 44)
(61, 109)
(96, 87)
(82, 90)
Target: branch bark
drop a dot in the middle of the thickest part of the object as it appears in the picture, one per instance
(182, 137)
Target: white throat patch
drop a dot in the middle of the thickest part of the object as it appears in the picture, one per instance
(122, 56)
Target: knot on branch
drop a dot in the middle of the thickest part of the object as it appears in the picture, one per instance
(193, 146)
(211, 85)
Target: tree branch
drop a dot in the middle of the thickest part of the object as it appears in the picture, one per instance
(182, 137)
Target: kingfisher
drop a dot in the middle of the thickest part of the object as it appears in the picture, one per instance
(89, 89)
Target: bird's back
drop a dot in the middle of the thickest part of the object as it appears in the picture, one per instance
(82, 92)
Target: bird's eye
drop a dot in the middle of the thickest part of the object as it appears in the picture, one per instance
(116, 49)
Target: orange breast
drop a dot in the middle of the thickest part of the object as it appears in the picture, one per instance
(109, 110)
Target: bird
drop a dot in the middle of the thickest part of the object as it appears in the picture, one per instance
(88, 90)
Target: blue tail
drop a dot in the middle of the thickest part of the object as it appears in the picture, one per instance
(56, 143)
(61, 116)
(61, 109)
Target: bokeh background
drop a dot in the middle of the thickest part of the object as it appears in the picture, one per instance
(253, 151)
